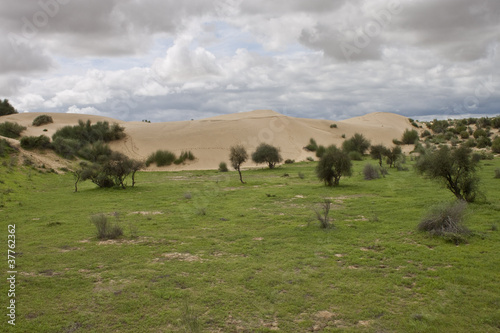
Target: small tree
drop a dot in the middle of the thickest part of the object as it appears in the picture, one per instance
(378, 152)
(266, 153)
(356, 143)
(409, 137)
(455, 167)
(334, 164)
(42, 120)
(136, 166)
(6, 108)
(393, 155)
(238, 155)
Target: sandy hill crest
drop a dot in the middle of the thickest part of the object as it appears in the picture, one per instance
(210, 139)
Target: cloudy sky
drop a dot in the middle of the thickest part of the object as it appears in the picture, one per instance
(166, 60)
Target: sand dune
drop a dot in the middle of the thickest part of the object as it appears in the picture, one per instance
(210, 139)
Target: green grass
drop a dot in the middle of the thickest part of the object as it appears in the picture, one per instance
(256, 260)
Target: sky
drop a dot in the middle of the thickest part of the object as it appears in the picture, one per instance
(171, 60)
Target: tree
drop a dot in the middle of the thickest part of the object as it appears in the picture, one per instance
(6, 108)
(266, 153)
(356, 143)
(455, 167)
(136, 166)
(377, 152)
(334, 164)
(238, 155)
(393, 155)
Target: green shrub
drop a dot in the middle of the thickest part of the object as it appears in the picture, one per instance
(6, 108)
(333, 126)
(312, 146)
(5, 148)
(11, 130)
(161, 158)
(266, 153)
(495, 146)
(470, 143)
(35, 142)
(483, 142)
(42, 120)
(445, 220)
(355, 156)
(480, 132)
(425, 134)
(105, 229)
(223, 167)
(310, 159)
(184, 156)
(356, 143)
(464, 135)
(370, 172)
(409, 137)
(334, 164)
(497, 173)
(320, 151)
(289, 161)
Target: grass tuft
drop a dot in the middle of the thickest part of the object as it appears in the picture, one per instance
(105, 229)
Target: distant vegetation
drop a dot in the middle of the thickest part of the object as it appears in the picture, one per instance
(11, 130)
(6, 108)
(266, 153)
(165, 158)
(36, 142)
(223, 167)
(42, 120)
(238, 155)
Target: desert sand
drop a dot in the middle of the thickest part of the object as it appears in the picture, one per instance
(210, 139)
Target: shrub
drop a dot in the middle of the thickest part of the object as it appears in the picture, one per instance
(483, 142)
(67, 148)
(393, 155)
(312, 146)
(333, 165)
(310, 159)
(497, 173)
(495, 122)
(455, 167)
(470, 143)
(333, 126)
(185, 155)
(409, 137)
(289, 161)
(11, 130)
(495, 146)
(322, 215)
(355, 156)
(6, 108)
(223, 167)
(397, 142)
(480, 132)
(266, 153)
(320, 151)
(377, 152)
(238, 155)
(445, 220)
(35, 142)
(42, 120)
(425, 133)
(356, 143)
(439, 126)
(370, 172)
(105, 229)
(5, 148)
(161, 158)
(464, 134)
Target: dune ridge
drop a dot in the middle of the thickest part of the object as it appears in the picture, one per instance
(210, 139)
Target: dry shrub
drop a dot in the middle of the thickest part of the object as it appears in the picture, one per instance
(446, 220)
(105, 229)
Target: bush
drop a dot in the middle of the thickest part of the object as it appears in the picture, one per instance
(312, 146)
(370, 172)
(42, 120)
(238, 155)
(320, 151)
(377, 152)
(35, 142)
(495, 146)
(11, 130)
(289, 161)
(67, 148)
(409, 137)
(497, 173)
(6, 108)
(355, 156)
(356, 143)
(445, 219)
(470, 143)
(161, 158)
(393, 155)
(184, 156)
(455, 167)
(223, 167)
(334, 164)
(105, 230)
(310, 159)
(483, 142)
(322, 215)
(333, 126)
(480, 132)
(5, 148)
(425, 134)
(266, 153)
(464, 135)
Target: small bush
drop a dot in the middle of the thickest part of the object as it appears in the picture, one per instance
(223, 167)
(161, 158)
(322, 215)
(310, 159)
(495, 145)
(480, 132)
(333, 126)
(483, 142)
(42, 120)
(301, 175)
(445, 220)
(11, 130)
(470, 143)
(464, 135)
(187, 195)
(355, 156)
(312, 146)
(5, 148)
(184, 156)
(35, 142)
(105, 230)
(409, 137)
(425, 133)
(289, 161)
(497, 173)
(370, 172)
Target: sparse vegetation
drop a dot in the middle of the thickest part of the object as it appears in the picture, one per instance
(105, 229)
(370, 172)
(322, 214)
(5, 148)
(42, 120)
(161, 158)
(6, 108)
(35, 142)
(183, 157)
(446, 220)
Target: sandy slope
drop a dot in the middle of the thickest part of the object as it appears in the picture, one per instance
(210, 139)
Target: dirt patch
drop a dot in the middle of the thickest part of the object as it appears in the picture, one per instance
(178, 256)
(145, 213)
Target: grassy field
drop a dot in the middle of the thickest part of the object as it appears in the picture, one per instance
(203, 253)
